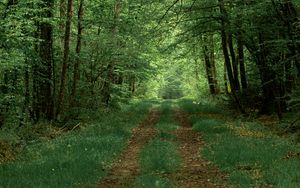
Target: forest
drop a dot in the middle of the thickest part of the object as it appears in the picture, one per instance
(149, 93)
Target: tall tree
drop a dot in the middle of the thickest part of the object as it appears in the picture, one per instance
(43, 79)
(210, 65)
(76, 71)
(111, 66)
(225, 39)
(60, 104)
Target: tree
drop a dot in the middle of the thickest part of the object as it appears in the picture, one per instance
(76, 71)
(60, 104)
(43, 72)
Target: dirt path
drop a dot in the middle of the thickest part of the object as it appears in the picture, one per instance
(195, 171)
(125, 169)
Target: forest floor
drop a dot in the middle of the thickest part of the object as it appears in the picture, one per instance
(159, 144)
(194, 171)
(126, 167)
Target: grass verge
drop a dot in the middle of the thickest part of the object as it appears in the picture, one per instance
(76, 159)
(250, 154)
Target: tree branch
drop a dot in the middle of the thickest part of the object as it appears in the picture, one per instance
(167, 11)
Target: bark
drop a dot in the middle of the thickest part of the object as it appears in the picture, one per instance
(26, 107)
(208, 66)
(234, 63)
(76, 73)
(213, 63)
(46, 90)
(62, 13)
(226, 54)
(133, 85)
(43, 102)
(268, 77)
(60, 104)
(241, 60)
(227, 60)
(225, 79)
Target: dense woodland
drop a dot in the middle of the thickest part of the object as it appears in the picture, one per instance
(68, 65)
(61, 57)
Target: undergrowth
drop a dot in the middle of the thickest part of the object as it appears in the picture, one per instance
(75, 159)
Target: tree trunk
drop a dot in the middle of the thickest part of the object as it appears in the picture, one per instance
(43, 73)
(234, 63)
(241, 60)
(62, 14)
(26, 107)
(225, 79)
(60, 104)
(76, 74)
(226, 55)
(267, 79)
(208, 65)
(213, 63)
(110, 76)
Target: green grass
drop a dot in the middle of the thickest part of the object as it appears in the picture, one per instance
(165, 130)
(76, 159)
(151, 181)
(191, 106)
(160, 154)
(140, 107)
(209, 126)
(166, 126)
(249, 159)
(264, 156)
(248, 152)
(241, 179)
(240, 151)
(167, 123)
(159, 157)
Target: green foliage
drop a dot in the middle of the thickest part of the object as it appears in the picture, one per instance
(165, 129)
(294, 102)
(151, 181)
(159, 157)
(172, 90)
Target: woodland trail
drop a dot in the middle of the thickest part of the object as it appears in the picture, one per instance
(195, 172)
(126, 168)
